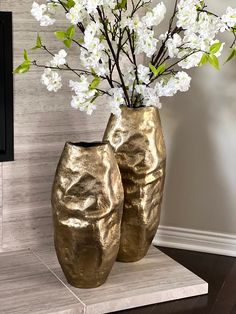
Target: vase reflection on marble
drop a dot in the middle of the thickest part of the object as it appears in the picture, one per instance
(87, 201)
(137, 139)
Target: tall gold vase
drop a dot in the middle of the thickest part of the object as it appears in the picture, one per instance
(137, 139)
(87, 200)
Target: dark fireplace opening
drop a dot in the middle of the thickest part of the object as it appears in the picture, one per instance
(6, 88)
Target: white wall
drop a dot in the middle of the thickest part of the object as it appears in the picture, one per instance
(200, 132)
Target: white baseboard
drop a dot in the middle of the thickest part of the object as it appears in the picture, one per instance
(196, 240)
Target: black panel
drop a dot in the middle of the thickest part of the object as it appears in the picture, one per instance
(6, 88)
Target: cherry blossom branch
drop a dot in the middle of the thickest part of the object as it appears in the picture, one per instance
(103, 21)
(79, 70)
(217, 16)
(48, 51)
(111, 64)
(80, 25)
(132, 48)
(208, 12)
(139, 5)
(234, 41)
(155, 59)
(35, 63)
(169, 69)
(67, 68)
(81, 46)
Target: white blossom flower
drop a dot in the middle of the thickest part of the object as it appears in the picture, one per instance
(92, 29)
(134, 23)
(80, 87)
(117, 100)
(187, 13)
(92, 5)
(156, 16)
(146, 42)
(83, 100)
(192, 61)
(52, 80)
(166, 89)
(143, 74)
(192, 34)
(179, 82)
(163, 36)
(93, 44)
(59, 59)
(94, 56)
(173, 45)
(207, 26)
(150, 96)
(83, 104)
(229, 18)
(193, 41)
(129, 75)
(96, 60)
(76, 14)
(52, 6)
(38, 11)
(42, 14)
(183, 81)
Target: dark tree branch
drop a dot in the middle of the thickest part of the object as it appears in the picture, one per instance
(104, 21)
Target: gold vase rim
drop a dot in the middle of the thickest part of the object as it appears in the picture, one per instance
(87, 145)
(139, 108)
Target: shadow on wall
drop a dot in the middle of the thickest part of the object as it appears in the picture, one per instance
(200, 129)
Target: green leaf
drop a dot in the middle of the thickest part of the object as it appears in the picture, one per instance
(26, 56)
(60, 35)
(70, 33)
(96, 81)
(70, 4)
(153, 69)
(67, 42)
(204, 59)
(121, 5)
(64, 3)
(232, 55)
(102, 37)
(23, 68)
(215, 47)
(93, 72)
(202, 3)
(214, 61)
(80, 41)
(161, 69)
(38, 43)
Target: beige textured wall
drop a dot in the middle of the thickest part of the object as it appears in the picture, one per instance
(200, 131)
(43, 122)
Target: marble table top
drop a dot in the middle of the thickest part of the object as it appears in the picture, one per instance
(32, 282)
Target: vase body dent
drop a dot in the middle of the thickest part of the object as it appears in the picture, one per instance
(87, 200)
(137, 139)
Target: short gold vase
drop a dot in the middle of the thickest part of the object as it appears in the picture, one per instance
(87, 201)
(137, 139)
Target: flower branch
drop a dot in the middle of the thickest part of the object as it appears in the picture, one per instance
(111, 34)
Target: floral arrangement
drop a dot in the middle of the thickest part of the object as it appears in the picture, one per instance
(113, 33)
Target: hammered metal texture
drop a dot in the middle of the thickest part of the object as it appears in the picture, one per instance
(87, 200)
(137, 139)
